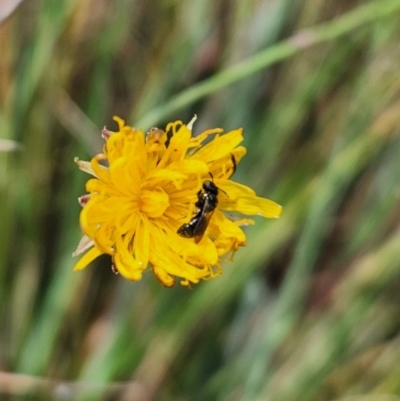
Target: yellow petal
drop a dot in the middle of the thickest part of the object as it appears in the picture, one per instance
(157, 176)
(225, 167)
(163, 277)
(196, 141)
(128, 223)
(228, 228)
(154, 203)
(188, 166)
(178, 143)
(252, 205)
(125, 178)
(168, 259)
(142, 242)
(85, 166)
(119, 121)
(100, 171)
(233, 189)
(220, 146)
(104, 238)
(127, 266)
(87, 258)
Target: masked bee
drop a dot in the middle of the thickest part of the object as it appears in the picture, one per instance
(207, 201)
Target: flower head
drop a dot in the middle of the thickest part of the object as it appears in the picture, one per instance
(149, 204)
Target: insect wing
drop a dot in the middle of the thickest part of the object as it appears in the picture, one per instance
(202, 224)
(186, 230)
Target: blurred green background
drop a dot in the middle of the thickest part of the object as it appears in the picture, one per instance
(310, 309)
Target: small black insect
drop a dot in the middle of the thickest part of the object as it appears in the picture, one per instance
(207, 201)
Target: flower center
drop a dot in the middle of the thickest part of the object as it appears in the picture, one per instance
(154, 203)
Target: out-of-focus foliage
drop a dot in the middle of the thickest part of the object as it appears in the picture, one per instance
(310, 309)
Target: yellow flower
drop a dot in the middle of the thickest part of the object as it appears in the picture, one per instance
(147, 187)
